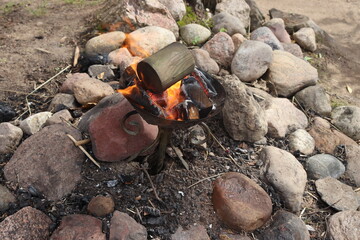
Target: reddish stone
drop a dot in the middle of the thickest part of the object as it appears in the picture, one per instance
(197, 232)
(78, 226)
(221, 48)
(68, 84)
(125, 227)
(27, 224)
(101, 206)
(240, 202)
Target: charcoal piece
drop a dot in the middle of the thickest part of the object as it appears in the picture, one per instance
(206, 81)
(7, 113)
(186, 111)
(150, 211)
(127, 78)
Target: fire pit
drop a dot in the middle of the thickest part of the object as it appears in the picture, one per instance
(186, 98)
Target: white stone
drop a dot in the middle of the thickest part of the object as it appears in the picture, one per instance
(305, 37)
(301, 141)
(35, 122)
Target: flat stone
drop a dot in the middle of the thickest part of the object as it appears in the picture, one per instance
(294, 49)
(256, 17)
(238, 39)
(347, 119)
(97, 48)
(10, 137)
(229, 23)
(277, 26)
(177, 8)
(91, 90)
(103, 123)
(194, 34)
(79, 226)
(204, 61)
(251, 60)
(283, 117)
(62, 116)
(352, 154)
(286, 174)
(7, 112)
(300, 140)
(327, 139)
(47, 161)
(197, 232)
(316, 99)
(122, 226)
(286, 226)
(102, 72)
(265, 35)
(35, 122)
(27, 223)
(305, 37)
(324, 165)
(243, 117)
(240, 203)
(62, 101)
(71, 78)
(237, 8)
(286, 66)
(344, 225)
(337, 194)
(146, 41)
(221, 48)
(6, 197)
(101, 206)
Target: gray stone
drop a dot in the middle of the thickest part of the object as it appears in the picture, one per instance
(300, 140)
(123, 226)
(238, 39)
(177, 8)
(243, 117)
(305, 37)
(194, 34)
(347, 119)
(352, 153)
(196, 232)
(62, 116)
(337, 194)
(286, 174)
(35, 122)
(7, 112)
(251, 60)
(71, 78)
(62, 101)
(10, 137)
(221, 48)
(316, 99)
(102, 72)
(146, 41)
(265, 35)
(344, 225)
(277, 26)
(283, 117)
(294, 49)
(48, 161)
(6, 197)
(286, 66)
(324, 165)
(237, 8)
(204, 61)
(227, 22)
(256, 17)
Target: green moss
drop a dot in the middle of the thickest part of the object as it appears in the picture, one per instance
(337, 103)
(191, 17)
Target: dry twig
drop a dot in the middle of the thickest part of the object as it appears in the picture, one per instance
(76, 56)
(84, 151)
(180, 156)
(204, 179)
(152, 184)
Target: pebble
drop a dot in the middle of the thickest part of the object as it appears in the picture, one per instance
(286, 66)
(305, 37)
(62, 101)
(102, 72)
(286, 226)
(277, 26)
(240, 203)
(286, 174)
(237, 8)
(316, 99)
(63, 116)
(6, 197)
(7, 112)
(90, 90)
(238, 39)
(294, 49)
(251, 60)
(221, 48)
(337, 194)
(146, 41)
(35, 122)
(243, 117)
(226, 22)
(300, 140)
(79, 226)
(344, 225)
(10, 137)
(283, 117)
(265, 35)
(196, 232)
(347, 120)
(101, 206)
(122, 226)
(27, 223)
(47, 161)
(324, 165)
(352, 154)
(177, 8)
(204, 61)
(194, 34)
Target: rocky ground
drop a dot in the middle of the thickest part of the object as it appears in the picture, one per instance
(280, 156)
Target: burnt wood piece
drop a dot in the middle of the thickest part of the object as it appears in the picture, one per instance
(166, 67)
